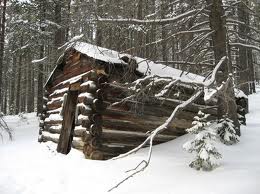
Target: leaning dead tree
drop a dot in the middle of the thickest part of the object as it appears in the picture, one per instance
(209, 83)
(4, 128)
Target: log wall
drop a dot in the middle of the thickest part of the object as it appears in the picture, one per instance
(103, 131)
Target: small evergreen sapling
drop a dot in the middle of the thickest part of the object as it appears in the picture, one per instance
(226, 131)
(206, 153)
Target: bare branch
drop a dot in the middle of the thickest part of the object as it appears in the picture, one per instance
(155, 21)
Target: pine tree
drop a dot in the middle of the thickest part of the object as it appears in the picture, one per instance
(206, 153)
(226, 131)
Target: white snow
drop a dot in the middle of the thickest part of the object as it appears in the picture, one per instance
(96, 52)
(27, 167)
(87, 95)
(144, 65)
(54, 117)
(59, 91)
(89, 83)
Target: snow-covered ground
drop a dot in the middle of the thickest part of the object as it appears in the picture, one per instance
(27, 167)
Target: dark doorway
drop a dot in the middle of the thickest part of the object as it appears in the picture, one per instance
(68, 122)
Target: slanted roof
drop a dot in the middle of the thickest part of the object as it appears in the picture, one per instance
(145, 66)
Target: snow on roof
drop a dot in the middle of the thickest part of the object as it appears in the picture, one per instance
(96, 52)
(150, 68)
(144, 65)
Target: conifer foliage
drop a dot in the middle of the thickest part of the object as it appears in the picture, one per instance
(226, 131)
(202, 144)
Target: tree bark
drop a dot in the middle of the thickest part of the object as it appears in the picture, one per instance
(99, 34)
(40, 66)
(18, 81)
(226, 101)
(243, 62)
(2, 39)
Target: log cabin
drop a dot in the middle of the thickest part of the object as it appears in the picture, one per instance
(87, 104)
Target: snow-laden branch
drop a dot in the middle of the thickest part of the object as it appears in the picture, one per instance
(144, 163)
(185, 63)
(155, 21)
(209, 82)
(151, 137)
(253, 47)
(36, 61)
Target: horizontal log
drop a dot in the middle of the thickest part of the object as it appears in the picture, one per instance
(54, 105)
(46, 136)
(55, 128)
(84, 109)
(122, 112)
(86, 98)
(79, 131)
(71, 74)
(143, 123)
(88, 86)
(110, 135)
(81, 77)
(52, 122)
(77, 143)
(192, 107)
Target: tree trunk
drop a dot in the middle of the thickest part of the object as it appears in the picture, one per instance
(226, 101)
(30, 94)
(2, 40)
(163, 10)
(243, 65)
(99, 35)
(18, 81)
(40, 66)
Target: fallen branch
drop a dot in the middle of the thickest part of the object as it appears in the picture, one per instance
(150, 139)
(4, 127)
(144, 163)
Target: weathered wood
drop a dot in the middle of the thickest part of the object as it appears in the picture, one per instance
(54, 105)
(88, 88)
(100, 94)
(77, 143)
(46, 136)
(98, 105)
(135, 123)
(67, 123)
(111, 135)
(96, 155)
(102, 80)
(88, 100)
(52, 128)
(79, 131)
(75, 86)
(52, 122)
(71, 74)
(95, 130)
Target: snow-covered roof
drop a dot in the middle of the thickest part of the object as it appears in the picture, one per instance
(145, 66)
(100, 53)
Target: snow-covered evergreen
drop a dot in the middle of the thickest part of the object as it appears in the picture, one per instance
(226, 131)
(203, 144)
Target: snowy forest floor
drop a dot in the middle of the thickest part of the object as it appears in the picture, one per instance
(27, 167)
